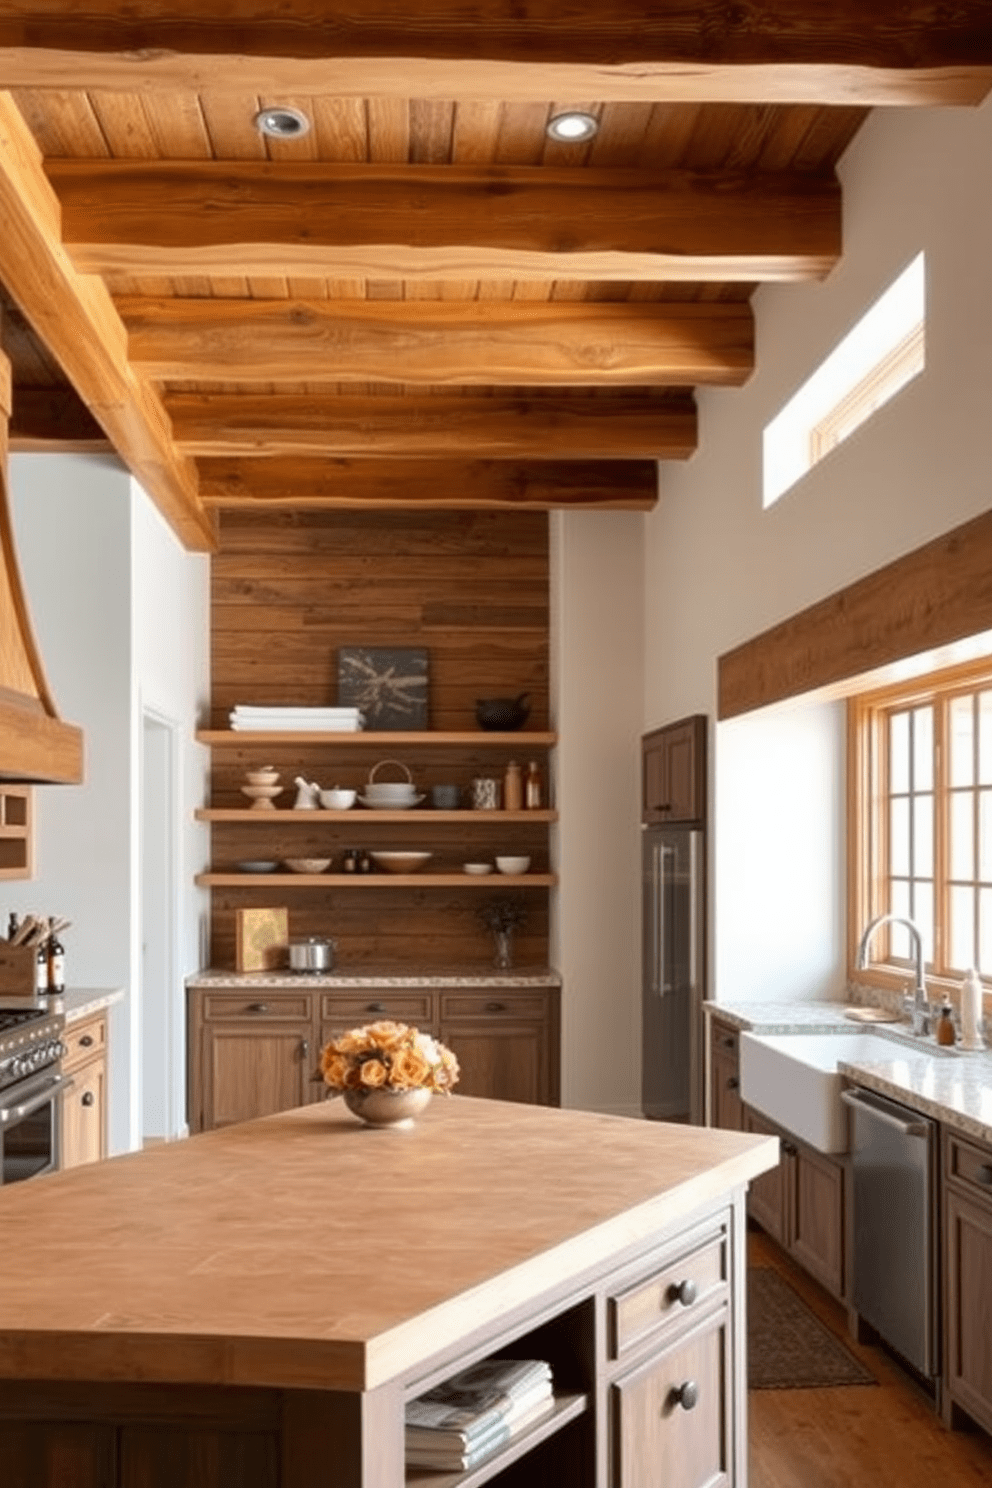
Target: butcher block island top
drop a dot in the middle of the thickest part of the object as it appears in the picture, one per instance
(308, 1249)
(304, 1261)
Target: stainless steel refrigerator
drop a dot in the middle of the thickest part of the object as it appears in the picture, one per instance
(674, 976)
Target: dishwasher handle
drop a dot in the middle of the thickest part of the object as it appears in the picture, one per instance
(858, 1102)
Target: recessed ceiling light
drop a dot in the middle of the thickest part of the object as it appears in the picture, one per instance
(572, 127)
(282, 123)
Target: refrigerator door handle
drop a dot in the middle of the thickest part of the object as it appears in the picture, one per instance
(662, 851)
(693, 911)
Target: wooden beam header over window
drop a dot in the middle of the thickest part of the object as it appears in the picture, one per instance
(932, 597)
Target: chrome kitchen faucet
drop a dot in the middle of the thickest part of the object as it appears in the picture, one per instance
(918, 1003)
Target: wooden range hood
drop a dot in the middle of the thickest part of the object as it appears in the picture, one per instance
(35, 745)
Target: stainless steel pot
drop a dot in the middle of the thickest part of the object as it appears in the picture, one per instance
(312, 954)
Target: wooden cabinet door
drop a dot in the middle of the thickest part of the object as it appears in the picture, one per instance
(815, 1190)
(968, 1299)
(500, 1059)
(726, 1107)
(84, 1115)
(672, 1416)
(251, 1070)
(674, 772)
(766, 1198)
(46, 1454)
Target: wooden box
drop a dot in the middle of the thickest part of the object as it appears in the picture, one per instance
(261, 939)
(18, 968)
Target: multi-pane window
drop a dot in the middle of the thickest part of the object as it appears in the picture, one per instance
(922, 821)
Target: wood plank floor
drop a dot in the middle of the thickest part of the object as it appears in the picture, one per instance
(855, 1436)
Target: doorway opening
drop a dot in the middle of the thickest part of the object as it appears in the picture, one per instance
(159, 1009)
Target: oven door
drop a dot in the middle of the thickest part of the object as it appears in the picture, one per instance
(31, 1127)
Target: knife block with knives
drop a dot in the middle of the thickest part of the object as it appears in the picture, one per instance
(17, 975)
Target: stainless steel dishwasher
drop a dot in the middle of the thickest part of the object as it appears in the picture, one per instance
(894, 1156)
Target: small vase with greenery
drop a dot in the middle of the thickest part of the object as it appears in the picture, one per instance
(502, 917)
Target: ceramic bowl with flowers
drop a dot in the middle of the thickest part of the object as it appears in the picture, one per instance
(387, 1072)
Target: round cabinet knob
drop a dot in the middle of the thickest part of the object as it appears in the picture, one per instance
(733, 1083)
(257, 1007)
(495, 1007)
(88, 1098)
(375, 1007)
(687, 1395)
(86, 1040)
(687, 1292)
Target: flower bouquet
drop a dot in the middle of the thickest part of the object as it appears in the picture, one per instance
(502, 917)
(387, 1071)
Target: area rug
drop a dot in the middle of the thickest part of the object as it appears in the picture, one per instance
(788, 1348)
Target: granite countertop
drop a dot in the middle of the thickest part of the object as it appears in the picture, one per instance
(523, 976)
(80, 1002)
(952, 1085)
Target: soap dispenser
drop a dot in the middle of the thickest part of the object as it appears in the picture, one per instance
(971, 1011)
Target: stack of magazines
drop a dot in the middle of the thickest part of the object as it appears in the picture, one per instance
(297, 720)
(461, 1421)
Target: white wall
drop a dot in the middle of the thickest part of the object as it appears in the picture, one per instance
(171, 683)
(597, 670)
(719, 569)
(71, 520)
(121, 615)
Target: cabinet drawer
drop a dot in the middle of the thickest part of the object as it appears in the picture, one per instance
(725, 1039)
(971, 1166)
(83, 1040)
(670, 1295)
(497, 1003)
(265, 1005)
(366, 1007)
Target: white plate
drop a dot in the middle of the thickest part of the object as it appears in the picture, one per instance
(390, 805)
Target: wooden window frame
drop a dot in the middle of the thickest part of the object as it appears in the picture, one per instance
(867, 781)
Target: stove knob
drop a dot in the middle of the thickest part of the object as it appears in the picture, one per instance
(19, 1066)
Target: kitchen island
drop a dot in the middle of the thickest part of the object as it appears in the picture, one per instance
(254, 1306)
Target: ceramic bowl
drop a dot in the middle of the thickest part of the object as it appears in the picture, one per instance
(402, 792)
(477, 869)
(401, 862)
(265, 776)
(256, 865)
(513, 865)
(307, 865)
(337, 799)
(374, 804)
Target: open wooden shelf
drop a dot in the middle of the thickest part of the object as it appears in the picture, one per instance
(567, 1408)
(377, 880)
(309, 818)
(256, 738)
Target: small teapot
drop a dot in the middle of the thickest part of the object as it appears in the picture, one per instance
(307, 794)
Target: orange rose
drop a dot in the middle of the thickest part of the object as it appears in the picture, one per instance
(409, 1069)
(335, 1067)
(372, 1073)
(357, 1041)
(388, 1036)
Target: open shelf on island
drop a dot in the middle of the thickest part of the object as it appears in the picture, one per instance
(567, 1408)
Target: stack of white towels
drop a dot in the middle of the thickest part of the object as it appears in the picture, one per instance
(244, 717)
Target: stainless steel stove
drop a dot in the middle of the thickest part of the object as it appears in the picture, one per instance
(31, 1086)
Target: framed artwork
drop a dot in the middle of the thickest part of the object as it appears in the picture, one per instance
(389, 685)
(261, 939)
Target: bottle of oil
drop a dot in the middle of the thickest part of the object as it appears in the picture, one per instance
(532, 787)
(945, 1026)
(513, 788)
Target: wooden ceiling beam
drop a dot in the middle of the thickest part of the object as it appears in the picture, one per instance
(628, 485)
(573, 426)
(697, 51)
(75, 318)
(492, 342)
(177, 218)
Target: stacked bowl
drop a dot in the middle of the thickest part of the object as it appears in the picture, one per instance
(390, 795)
